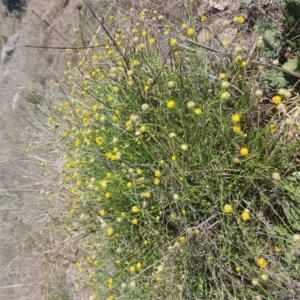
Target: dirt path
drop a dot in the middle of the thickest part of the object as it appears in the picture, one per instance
(20, 211)
(25, 273)
(32, 259)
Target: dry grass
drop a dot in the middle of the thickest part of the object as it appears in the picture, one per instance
(31, 257)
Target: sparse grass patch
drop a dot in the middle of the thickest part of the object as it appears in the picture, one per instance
(180, 170)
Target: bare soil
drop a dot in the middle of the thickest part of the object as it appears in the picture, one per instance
(25, 230)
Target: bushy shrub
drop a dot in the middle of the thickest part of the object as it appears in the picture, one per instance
(180, 169)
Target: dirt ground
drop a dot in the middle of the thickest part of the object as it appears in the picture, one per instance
(25, 272)
(20, 210)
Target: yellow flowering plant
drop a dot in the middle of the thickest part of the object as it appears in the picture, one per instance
(166, 164)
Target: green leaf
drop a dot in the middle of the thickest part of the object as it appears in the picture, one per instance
(276, 79)
(293, 65)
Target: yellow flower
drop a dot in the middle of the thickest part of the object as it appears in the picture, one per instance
(203, 19)
(152, 41)
(239, 20)
(129, 185)
(238, 269)
(156, 181)
(102, 212)
(245, 215)
(134, 221)
(110, 282)
(171, 104)
(228, 208)
(262, 262)
(222, 76)
(184, 26)
(77, 143)
(138, 265)
(190, 32)
(107, 195)
(276, 99)
(173, 42)
(147, 195)
(244, 151)
(225, 96)
(135, 209)
(236, 118)
(273, 128)
(132, 269)
(135, 62)
(197, 111)
(236, 128)
(143, 128)
(157, 173)
(110, 231)
(243, 64)
(238, 58)
(110, 52)
(182, 239)
(225, 43)
(277, 249)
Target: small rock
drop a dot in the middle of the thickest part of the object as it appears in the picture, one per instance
(9, 48)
